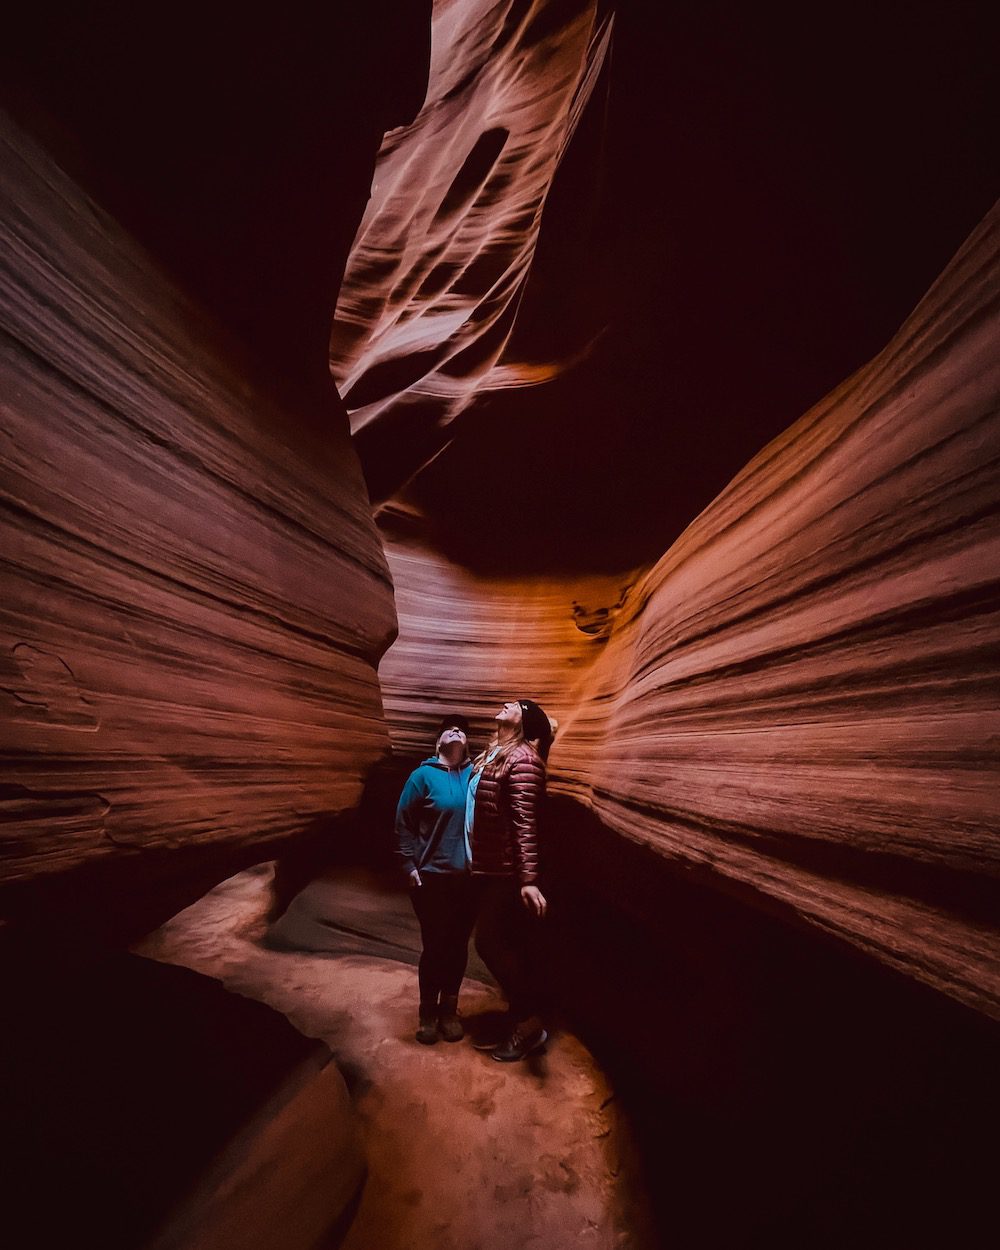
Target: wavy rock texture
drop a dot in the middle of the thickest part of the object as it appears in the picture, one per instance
(468, 643)
(798, 702)
(439, 264)
(195, 597)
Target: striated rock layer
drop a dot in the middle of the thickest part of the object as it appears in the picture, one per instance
(194, 594)
(473, 641)
(798, 702)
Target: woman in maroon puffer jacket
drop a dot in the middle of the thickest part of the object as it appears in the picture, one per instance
(506, 789)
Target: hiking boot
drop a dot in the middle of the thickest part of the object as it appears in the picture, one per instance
(428, 1033)
(525, 1038)
(448, 1022)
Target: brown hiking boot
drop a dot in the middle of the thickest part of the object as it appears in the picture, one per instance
(449, 1024)
(428, 1033)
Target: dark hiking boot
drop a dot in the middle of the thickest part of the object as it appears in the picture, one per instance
(449, 1024)
(525, 1038)
(428, 1033)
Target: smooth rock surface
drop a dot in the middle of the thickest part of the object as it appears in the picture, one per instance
(476, 641)
(440, 262)
(195, 597)
(463, 1153)
(798, 702)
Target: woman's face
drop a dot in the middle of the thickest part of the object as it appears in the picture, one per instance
(453, 742)
(509, 714)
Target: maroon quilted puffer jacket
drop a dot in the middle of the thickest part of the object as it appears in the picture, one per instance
(505, 828)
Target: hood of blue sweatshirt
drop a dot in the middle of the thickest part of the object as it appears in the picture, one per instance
(430, 818)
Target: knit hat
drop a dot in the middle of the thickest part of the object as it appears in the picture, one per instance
(453, 721)
(535, 724)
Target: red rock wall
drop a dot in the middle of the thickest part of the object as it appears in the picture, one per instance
(194, 594)
(798, 702)
(469, 642)
(439, 264)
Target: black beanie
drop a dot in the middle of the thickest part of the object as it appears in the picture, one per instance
(455, 721)
(535, 724)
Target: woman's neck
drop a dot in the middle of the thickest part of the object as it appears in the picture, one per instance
(505, 734)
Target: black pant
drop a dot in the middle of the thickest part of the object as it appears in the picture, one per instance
(445, 905)
(507, 939)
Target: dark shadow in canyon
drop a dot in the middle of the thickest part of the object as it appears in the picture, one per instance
(122, 1081)
(787, 1091)
(238, 146)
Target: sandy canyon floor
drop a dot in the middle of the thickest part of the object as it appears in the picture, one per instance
(463, 1153)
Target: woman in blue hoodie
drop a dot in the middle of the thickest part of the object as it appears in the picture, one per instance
(434, 849)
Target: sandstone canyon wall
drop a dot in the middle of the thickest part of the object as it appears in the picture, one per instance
(800, 698)
(442, 256)
(195, 597)
(474, 641)
(798, 702)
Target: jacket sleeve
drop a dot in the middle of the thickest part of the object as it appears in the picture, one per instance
(526, 787)
(408, 822)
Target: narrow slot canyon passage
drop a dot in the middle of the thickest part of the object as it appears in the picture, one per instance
(622, 371)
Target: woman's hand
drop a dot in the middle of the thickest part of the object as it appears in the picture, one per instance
(415, 879)
(534, 900)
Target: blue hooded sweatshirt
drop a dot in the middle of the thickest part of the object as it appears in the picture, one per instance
(430, 818)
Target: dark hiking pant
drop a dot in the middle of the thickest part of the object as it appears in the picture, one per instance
(445, 906)
(507, 939)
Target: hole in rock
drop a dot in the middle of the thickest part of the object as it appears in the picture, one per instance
(475, 170)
